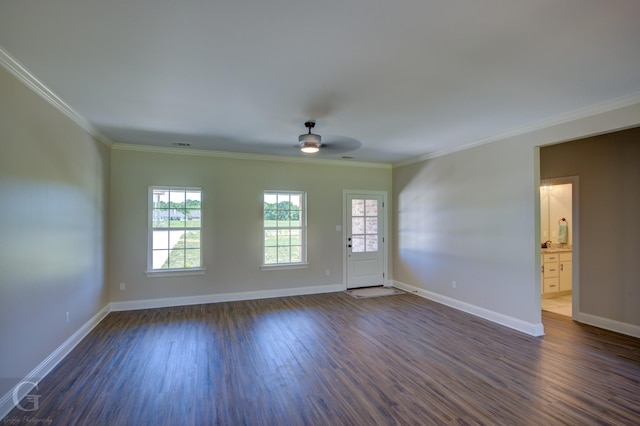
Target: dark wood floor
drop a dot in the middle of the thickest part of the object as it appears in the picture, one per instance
(331, 359)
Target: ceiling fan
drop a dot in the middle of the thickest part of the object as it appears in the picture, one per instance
(310, 143)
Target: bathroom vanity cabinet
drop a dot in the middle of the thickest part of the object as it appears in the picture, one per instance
(556, 271)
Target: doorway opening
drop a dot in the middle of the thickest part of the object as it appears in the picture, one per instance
(559, 248)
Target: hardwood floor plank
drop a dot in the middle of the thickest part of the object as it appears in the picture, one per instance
(331, 359)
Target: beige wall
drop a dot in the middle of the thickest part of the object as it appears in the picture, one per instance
(469, 217)
(232, 223)
(473, 216)
(608, 168)
(53, 197)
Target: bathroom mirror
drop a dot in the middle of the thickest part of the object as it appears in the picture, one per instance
(555, 204)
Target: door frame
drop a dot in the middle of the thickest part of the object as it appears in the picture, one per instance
(385, 232)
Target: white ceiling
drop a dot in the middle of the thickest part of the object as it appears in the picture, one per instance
(399, 78)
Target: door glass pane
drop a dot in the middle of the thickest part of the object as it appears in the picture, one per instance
(357, 207)
(357, 244)
(357, 225)
(372, 225)
(371, 243)
(372, 207)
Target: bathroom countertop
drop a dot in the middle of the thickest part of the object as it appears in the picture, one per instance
(556, 250)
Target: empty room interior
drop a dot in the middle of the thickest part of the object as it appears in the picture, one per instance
(341, 213)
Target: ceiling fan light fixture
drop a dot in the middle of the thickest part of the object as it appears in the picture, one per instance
(309, 142)
(309, 148)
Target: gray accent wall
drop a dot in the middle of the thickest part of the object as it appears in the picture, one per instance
(608, 168)
(54, 188)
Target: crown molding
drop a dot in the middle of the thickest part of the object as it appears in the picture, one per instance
(25, 76)
(600, 108)
(245, 156)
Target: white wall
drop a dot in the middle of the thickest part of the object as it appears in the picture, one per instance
(473, 216)
(232, 223)
(53, 217)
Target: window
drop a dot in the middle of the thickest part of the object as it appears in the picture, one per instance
(284, 228)
(175, 217)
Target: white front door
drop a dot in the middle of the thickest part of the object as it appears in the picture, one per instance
(364, 239)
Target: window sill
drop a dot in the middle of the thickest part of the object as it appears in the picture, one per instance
(175, 272)
(285, 266)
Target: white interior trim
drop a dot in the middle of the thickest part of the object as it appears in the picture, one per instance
(608, 324)
(532, 329)
(25, 76)
(224, 297)
(611, 105)
(23, 388)
(246, 156)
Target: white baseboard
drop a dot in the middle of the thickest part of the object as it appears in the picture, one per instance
(532, 329)
(225, 297)
(8, 401)
(608, 324)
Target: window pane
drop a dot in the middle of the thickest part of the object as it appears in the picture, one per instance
(193, 218)
(176, 239)
(160, 240)
(176, 259)
(284, 237)
(270, 255)
(193, 199)
(296, 254)
(176, 218)
(357, 225)
(371, 243)
(192, 258)
(372, 225)
(283, 198)
(160, 258)
(357, 243)
(296, 202)
(284, 254)
(357, 207)
(192, 240)
(296, 237)
(177, 199)
(160, 199)
(270, 238)
(283, 221)
(372, 207)
(160, 218)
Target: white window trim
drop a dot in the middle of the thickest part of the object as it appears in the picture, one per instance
(303, 227)
(154, 273)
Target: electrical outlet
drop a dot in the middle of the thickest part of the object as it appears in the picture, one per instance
(67, 316)
(122, 286)
(453, 284)
(327, 272)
